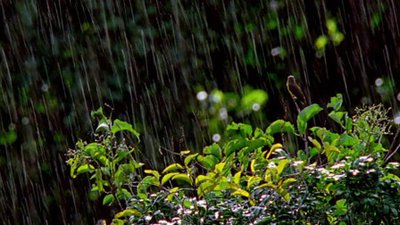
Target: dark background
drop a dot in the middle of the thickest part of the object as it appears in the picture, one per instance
(61, 59)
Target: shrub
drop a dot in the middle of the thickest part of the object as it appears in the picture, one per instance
(340, 177)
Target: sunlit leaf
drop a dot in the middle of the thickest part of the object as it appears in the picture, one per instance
(167, 177)
(213, 149)
(153, 172)
(282, 165)
(189, 158)
(85, 168)
(128, 213)
(336, 102)
(252, 97)
(288, 182)
(173, 167)
(108, 199)
(183, 177)
(280, 126)
(321, 42)
(305, 115)
(236, 177)
(120, 125)
(241, 193)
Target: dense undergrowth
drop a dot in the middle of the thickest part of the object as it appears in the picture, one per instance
(339, 176)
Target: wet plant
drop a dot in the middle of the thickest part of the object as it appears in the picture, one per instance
(249, 177)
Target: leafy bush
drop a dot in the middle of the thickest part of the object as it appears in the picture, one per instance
(340, 177)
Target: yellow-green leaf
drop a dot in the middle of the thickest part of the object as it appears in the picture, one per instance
(282, 165)
(84, 168)
(189, 158)
(173, 167)
(167, 176)
(128, 212)
(241, 193)
(236, 178)
(153, 172)
(183, 177)
(288, 182)
(107, 199)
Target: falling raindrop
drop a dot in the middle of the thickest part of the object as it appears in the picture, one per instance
(255, 107)
(216, 137)
(202, 95)
(379, 82)
(25, 120)
(276, 51)
(396, 119)
(45, 87)
(223, 113)
(398, 97)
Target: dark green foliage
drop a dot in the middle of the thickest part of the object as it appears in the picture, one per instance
(250, 178)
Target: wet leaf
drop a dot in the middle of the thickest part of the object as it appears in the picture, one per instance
(280, 126)
(183, 177)
(108, 199)
(167, 177)
(127, 213)
(305, 115)
(120, 125)
(173, 167)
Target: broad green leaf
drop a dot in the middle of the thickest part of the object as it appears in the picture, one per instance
(183, 177)
(173, 167)
(280, 126)
(123, 194)
(282, 165)
(187, 203)
(208, 161)
(108, 199)
(341, 207)
(128, 213)
(167, 177)
(234, 145)
(245, 130)
(120, 125)
(288, 182)
(252, 166)
(85, 168)
(241, 193)
(182, 153)
(153, 172)
(236, 178)
(98, 113)
(95, 150)
(189, 158)
(201, 178)
(219, 167)
(305, 115)
(337, 117)
(252, 180)
(336, 102)
(172, 193)
(347, 140)
(213, 149)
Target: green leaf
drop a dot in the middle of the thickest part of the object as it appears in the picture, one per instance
(336, 102)
(244, 130)
(337, 117)
(341, 207)
(189, 158)
(103, 126)
(187, 203)
(347, 140)
(183, 177)
(201, 178)
(234, 145)
(167, 177)
(85, 168)
(128, 213)
(153, 172)
(236, 178)
(282, 165)
(305, 115)
(98, 113)
(173, 167)
(241, 193)
(208, 161)
(120, 125)
(280, 126)
(288, 182)
(95, 150)
(108, 199)
(213, 149)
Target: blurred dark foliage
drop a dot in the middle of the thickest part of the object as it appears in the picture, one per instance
(62, 59)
